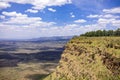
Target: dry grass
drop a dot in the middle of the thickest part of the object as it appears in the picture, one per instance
(89, 58)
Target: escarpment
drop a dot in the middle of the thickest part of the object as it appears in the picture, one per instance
(89, 58)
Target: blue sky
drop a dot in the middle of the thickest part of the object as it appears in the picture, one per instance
(25, 19)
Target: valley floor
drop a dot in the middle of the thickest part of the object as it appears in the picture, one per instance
(29, 60)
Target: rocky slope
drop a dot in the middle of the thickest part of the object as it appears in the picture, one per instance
(89, 58)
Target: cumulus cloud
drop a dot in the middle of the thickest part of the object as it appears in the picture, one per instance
(4, 5)
(51, 9)
(31, 11)
(112, 22)
(19, 32)
(80, 21)
(40, 4)
(107, 15)
(105, 21)
(20, 26)
(107, 18)
(110, 16)
(20, 19)
(13, 14)
(113, 10)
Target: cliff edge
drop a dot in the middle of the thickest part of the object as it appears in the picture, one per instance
(89, 58)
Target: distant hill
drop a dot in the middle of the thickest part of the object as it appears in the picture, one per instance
(56, 38)
(42, 39)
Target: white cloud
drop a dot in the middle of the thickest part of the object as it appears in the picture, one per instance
(15, 31)
(103, 16)
(113, 10)
(13, 14)
(18, 1)
(93, 16)
(112, 22)
(31, 11)
(21, 26)
(4, 5)
(36, 28)
(110, 16)
(77, 29)
(23, 19)
(51, 9)
(105, 21)
(116, 23)
(2, 17)
(72, 15)
(107, 18)
(80, 21)
(40, 4)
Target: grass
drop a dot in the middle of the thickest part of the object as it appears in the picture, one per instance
(89, 58)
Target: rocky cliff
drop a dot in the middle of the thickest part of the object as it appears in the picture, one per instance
(89, 58)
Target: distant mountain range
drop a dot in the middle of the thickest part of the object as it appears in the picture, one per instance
(51, 38)
(55, 38)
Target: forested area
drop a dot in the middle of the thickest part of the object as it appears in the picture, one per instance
(102, 33)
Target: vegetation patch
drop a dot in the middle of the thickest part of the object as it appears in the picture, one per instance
(89, 58)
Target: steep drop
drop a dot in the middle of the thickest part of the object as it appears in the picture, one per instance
(89, 58)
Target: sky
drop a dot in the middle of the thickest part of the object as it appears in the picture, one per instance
(26, 19)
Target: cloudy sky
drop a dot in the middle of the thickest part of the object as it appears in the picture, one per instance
(25, 19)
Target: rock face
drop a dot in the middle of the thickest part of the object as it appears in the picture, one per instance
(89, 58)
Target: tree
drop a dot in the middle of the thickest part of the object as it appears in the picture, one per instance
(117, 32)
(102, 33)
